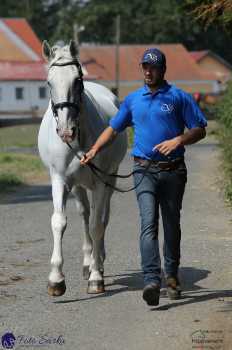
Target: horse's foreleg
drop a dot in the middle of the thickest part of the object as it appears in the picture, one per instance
(97, 231)
(83, 207)
(56, 282)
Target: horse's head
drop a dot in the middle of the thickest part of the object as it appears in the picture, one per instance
(66, 87)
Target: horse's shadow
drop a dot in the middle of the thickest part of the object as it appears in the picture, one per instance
(132, 280)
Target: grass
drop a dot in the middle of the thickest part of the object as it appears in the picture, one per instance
(224, 136)
(130, 135)
(17, 169)
(23, 136)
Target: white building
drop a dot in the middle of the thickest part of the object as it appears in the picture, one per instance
(23, 71)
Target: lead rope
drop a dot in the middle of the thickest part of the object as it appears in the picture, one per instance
(97, 170)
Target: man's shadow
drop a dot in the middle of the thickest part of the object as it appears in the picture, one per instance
(132, 280)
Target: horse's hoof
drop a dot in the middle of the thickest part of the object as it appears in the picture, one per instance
(56, 289)
(96, 287)
(86, 272)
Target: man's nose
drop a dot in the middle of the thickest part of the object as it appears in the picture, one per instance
(148, 71)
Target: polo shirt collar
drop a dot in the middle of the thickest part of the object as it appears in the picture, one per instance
(162, 89)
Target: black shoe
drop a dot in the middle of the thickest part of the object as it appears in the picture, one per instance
(151, 294)
(173, 287)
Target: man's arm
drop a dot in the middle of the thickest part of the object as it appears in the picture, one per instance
(105, 137)
(188, 138)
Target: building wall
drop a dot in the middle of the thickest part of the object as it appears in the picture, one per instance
(211, 64)
(205, 87)
(31, 99)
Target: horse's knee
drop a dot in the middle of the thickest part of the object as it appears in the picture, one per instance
(59, 222)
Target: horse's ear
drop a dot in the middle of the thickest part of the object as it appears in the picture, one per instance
(73, 47)
(46, 50)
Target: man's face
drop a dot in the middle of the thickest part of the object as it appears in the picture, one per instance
(152, 74)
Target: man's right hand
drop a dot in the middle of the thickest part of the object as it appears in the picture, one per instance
(107, 135)
(88, 156)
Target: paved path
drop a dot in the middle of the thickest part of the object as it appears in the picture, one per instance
(120, 320)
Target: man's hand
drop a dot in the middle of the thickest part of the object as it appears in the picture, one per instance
(105, 137)
(188, 138)
(166, 147)
(88, 156)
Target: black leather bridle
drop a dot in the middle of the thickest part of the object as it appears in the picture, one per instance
(67, 104)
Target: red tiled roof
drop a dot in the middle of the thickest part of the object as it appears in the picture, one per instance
(21, 27)
(22, 71)
(198, 55)
(100, 62)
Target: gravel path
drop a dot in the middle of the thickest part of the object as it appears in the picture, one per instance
(120, 320)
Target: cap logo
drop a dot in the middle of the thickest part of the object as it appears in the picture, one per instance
(152, 57)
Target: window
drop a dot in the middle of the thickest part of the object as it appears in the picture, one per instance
(19, 93)
(42, 92)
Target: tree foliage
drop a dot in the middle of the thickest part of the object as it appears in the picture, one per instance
(211, 11)
(143, 22)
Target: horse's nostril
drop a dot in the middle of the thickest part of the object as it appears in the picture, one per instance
(73, 130)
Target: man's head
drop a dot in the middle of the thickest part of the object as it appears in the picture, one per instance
(153, 63)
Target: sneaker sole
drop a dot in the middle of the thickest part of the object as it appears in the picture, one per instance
(151, 296)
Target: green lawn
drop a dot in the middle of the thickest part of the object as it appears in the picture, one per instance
(19, 136)
(20, 168)
(17, 169)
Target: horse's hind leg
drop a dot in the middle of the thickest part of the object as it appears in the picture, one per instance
(106, 216)
(56, 282)
(83, 207)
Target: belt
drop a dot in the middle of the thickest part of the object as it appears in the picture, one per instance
(169, 165)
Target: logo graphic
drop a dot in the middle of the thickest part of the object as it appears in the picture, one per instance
(207, 339)
(8, 341)
(167, 108)
(152, 57)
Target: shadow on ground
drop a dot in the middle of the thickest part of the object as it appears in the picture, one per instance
(27, 194)
(132, 280)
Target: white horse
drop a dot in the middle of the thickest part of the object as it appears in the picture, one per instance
(77, 114)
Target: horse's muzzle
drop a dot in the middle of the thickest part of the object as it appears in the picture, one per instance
(67, 135)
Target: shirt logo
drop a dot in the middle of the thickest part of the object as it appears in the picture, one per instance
(152, 57)
(167, 108)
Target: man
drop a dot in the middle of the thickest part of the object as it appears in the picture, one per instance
(159, 113)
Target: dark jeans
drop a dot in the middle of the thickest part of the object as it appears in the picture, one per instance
(163, 189)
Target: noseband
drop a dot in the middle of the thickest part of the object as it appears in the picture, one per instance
(61, 105)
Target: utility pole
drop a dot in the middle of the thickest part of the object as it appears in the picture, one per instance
(76, 30)
(117, 55)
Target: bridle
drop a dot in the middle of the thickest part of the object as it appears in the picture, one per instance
(67, 104)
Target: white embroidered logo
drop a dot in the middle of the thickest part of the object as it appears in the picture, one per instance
(152, 57)
(167, 108)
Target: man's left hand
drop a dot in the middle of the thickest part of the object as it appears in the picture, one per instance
(166, 147)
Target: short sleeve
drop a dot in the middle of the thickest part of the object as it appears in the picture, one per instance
(191, 113)
(123, 118)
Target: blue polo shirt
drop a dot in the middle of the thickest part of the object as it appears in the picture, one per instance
(157, 117)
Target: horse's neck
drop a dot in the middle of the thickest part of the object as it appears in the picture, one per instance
(91, 121)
